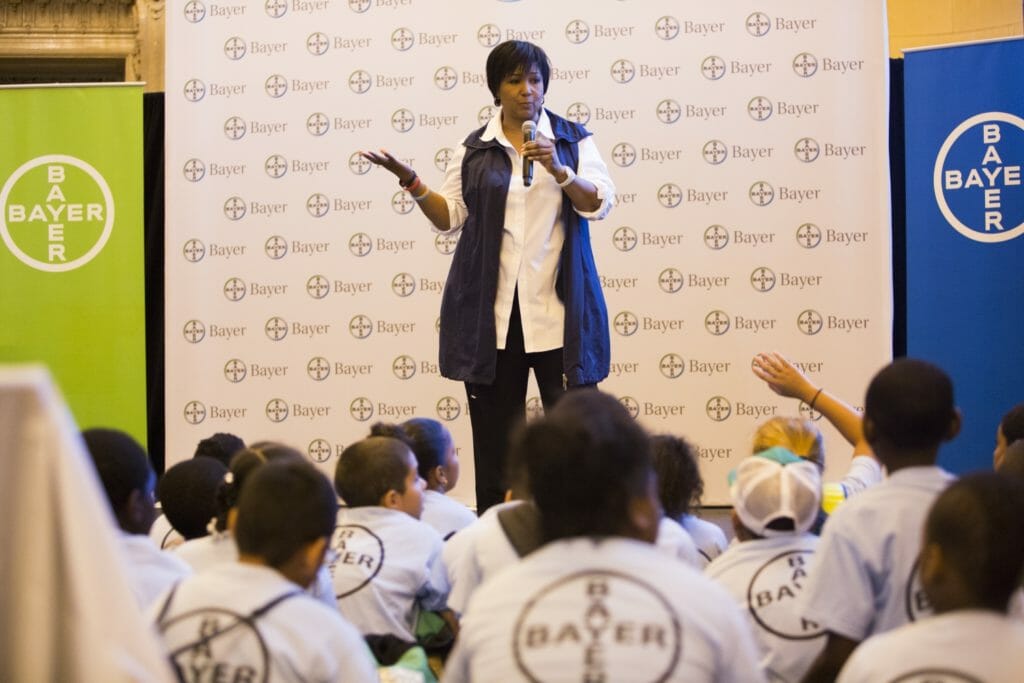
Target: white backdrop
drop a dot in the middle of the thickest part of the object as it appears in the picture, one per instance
(747, 140)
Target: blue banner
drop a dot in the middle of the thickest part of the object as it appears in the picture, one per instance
(965, 230)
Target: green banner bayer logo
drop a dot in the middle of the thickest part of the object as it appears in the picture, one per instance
(57, 213)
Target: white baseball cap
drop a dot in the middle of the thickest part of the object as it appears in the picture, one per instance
(776, 485)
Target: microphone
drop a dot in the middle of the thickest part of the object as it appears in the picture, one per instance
(529, 134)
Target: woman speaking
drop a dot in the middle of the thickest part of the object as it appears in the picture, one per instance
(523, 291)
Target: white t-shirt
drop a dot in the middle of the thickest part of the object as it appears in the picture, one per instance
(965, 646)
(766, 577)
(164, 535)
(445, 514)
(151, 570)
(675, 541)
(388, 566)
(864, 579)
(708, 537)
(613, 609)
(480, 550)
(219, 548)
(298, 639)
(864, 472)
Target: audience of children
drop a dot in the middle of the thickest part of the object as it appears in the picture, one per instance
(776, 496)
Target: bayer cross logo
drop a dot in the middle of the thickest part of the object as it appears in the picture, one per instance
(809, 322)
(762, 279)
(669, 111)
(317, 43)
(318, 205)
(194, 331)
(234, 48)
(404, 367)
(805, 65)
(488, 35)
(359, 81)
(194, 170)
(808, 413)
(712, 68)
(485, 114)
(234, 371)
(402, 202)
(761, 193)
(276, 8)
(403, 120)
(715, 152)
(402, 39)
(631, 405)
(442, 158)
(276, 410)
(624, 154)
(235, 127)
(666, 28)
(276, 247)
(361, 408)
(446, 78)
(626, 324)
(318, 124)
(319, 450)
(806, 150)
(195, 412)
(194, 90)
(717, 323)
(718, 408)
(359, 164)
(716, 237)
(578, 112)
(758, 24)
(808, 235)
(669, 195)
(625, 238)
(445, 243)
(359, 6)
(194, 251)
(275, 166)
(360, 327)
(318, 368)
(577, 31)
(670, 280)
(360, 244)
(234, 208)
(276, 328)
(534, 408)
(448, 408)
(403, 284)
(760, 108)
(623, 71)
(195, 11)
(234, 289)
(276, 85)
(318, 286)
(672, 365)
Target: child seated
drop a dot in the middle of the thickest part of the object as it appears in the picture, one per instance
(775, 497)
(1010, 429)
(251, 619)
(971, 564)
(188, 495)
(128, 479)
(386, 564)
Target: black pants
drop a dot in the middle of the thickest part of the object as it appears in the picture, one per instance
(495, 409)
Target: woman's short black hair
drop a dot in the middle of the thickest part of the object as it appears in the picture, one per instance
(370, 468)
(680, 485)
(514, 55)
(188, 495)
(430, 443)
(285, 505)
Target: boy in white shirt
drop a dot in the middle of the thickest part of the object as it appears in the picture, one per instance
(386, 564)
(129, 480)
(598, 601)
(865, 580)
(776, 496)
(971, 564)
(251, 620)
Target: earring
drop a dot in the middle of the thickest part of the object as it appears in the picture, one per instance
(497, 102)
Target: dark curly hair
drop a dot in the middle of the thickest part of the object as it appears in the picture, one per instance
(680, 485)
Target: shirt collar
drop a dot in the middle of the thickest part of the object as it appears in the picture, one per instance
(493, 130)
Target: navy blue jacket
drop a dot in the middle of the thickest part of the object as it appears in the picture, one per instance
(468, 345)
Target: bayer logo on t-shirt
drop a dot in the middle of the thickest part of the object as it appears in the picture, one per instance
(212, 642)
(358, 557)
(915, 599)
(772, 596)
(597, 626)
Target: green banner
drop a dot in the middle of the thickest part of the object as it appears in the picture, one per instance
(71, 258)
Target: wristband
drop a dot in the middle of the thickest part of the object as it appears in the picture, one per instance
(421, 197)
(815, 398)
(413, 186)
(409, 182)
(570, 176)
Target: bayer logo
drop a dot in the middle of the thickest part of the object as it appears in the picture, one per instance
(318, 124)
(361, 408)
(577, 31)
(486, 114)
(631, 405)
(234, 289)
(446, 243)
(235, 128)
(534, 408)
(276, 247)
(195, 412)
(625, 238)
(666, 27)
(194, 251)
(442, 158)
(805, 65)
(318, 205)
(402, 39)
(194, 331)
(758, 24)
(670, 280)
(623, 71)
(235, 208)
(404, 367)
(359, 81)
(717, 322)
(359, 6)
(195, 11)
(446, 78)
(360, 327)
(668, 111)
(718, 408)
(275, 166)
(235, 371)
(715, 152)
(318, 43)
(672, 365)
(403, 284)
(194, 170)
(276, 328)
(809, 322)
(276, 85)
(360, 244)
(760, 108)
(359, 164)
(318, 368)
(403, 120)
(762, 279)
(234, 48)
(716, 237)
(808, 413)
(808, 235)
(626, 324)
(578, 112)
(761, 193)
(194, 90)
(276, 410)
(402, 202)
(624, 154)
(806, 150)
(448, 408)
(712, 68)
(670, 195)
(318, 286)
(276, 8)
(319, 450)
(488, 35)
